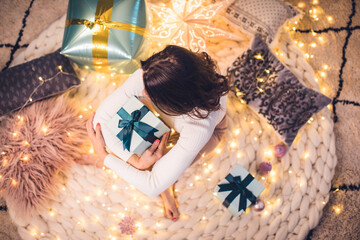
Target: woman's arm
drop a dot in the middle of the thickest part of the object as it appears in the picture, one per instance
(133, 86)
(167, 169)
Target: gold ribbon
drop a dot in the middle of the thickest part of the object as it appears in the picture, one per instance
(101, 26)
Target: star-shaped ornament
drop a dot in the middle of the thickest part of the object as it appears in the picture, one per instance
(188, 23)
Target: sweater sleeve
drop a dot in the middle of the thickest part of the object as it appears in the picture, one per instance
(133, 86)
(171, 166)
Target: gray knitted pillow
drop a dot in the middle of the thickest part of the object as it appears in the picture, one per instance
(19, 82)
(274, 92)
(263, 17)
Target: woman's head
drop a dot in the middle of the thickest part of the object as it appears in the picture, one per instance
(179, 81)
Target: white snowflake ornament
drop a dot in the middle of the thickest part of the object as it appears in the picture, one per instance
(188, 23)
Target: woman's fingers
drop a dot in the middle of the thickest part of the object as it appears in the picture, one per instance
(163, 142)
(154, 146)
(89, 126)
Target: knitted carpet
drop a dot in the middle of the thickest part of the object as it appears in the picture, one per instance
(210, 159)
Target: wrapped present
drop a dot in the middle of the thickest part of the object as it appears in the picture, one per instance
(238, 190)
(136, 126)
(106, 35)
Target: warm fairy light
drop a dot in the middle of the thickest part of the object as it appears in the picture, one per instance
(252, 122)
(33, 232)
(206, 170)
(98, 192)
(44, 128)
(330, 19)
(290, 171)
(237, 131)
(82, 79)
(191, 184)
(91, 151)
(255, 139)
(138, 224)
(197, 178)
(323, 74)
(158, 224)
(315, 2)
(87, 198)
(5, 162)
(233, 144)
(80, 116)
(156, 114)
(210, 166)
(26, 143)
(41, 79)
(25, 158)
(258, 56)
(239, 154)
(313, 33)
(30, 99)
(64, 188)
(265, 213)
(86, 67)
(301, 44)
(268, 153)
(14, 134)
(114, 187)
(218, 150)
(263, 178)
(307, 55)
(203, 218)
(338, 208)
(146, 206)
(325, 67)
(203, 155)
(51, 213)
(313, 45)
(316, 80)
(14, 182)
(60, 67)
(3, 153)
(301, 5)
(114, 84)
(321, 39)
(323, 202)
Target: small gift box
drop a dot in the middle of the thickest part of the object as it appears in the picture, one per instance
(106, 36)
(238, 190)
(136, 126)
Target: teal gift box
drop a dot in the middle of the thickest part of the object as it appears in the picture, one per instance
(106, 35)
(238, 190)
(136, 126)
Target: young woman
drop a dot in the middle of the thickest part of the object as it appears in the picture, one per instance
(185, 88)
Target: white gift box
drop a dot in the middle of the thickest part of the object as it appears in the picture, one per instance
(138, 144)
(246, 179)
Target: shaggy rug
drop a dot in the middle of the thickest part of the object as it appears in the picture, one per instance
(338, 38)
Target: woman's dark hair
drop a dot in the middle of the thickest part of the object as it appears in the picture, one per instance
(179, 81)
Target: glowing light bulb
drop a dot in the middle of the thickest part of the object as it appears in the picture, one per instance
(44, 129)
(325, 67)
(237, 131)
(218, 151)
(197, 178)
(258, 56)
(233, 144)
(51, 213)
(337, 209)
(313, 45)
(14, 134)
(330, 19)
(301, 5)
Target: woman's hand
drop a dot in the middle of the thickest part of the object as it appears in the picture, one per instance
(97, 139)
(151, 155)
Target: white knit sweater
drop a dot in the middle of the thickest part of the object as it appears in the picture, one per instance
(194, 134)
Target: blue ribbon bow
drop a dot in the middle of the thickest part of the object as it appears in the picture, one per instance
(238, 187)
(130, 123)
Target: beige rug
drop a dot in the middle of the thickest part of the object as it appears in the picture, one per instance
(331, 226)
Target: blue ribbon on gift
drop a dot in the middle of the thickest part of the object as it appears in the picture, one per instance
(238, 187)
(131, 122)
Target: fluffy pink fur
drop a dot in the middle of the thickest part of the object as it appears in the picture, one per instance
(50, 153)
